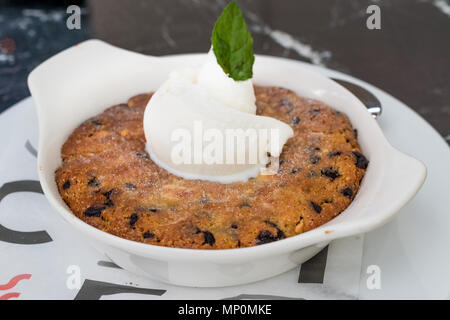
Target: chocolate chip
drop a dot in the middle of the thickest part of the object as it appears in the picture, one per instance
(361, 160)
(295, 170)
(66, 185)
(245, 204)
(286, 103)
(234, 226)
(95, 122)
(314, 111)
(148, 235)
(316, 207)
(334, 154)
(109, 202)
(265, 236)
(280, 233)
(209, 238)
(197, 230)
(142, 155)
(108, 194)
(295, 121)
(355, 132)
(347, 192)
(313, 148)
(314, 159)
(94, 211)
(133, 219)
(93, 182)
(330, 173)
(130, 186)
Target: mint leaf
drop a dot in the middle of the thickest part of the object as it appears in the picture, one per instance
(233, 44)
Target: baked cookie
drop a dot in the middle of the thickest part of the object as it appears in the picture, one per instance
(108, 180)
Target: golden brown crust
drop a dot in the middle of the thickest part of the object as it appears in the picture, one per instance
(108, 180)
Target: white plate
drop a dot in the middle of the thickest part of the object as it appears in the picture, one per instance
(411, 250)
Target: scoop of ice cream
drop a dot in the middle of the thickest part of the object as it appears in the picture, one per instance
(201, 124)
(237, 95)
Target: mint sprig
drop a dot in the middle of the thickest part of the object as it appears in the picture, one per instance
(233, 44)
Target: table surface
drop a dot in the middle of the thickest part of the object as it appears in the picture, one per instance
(409, 57)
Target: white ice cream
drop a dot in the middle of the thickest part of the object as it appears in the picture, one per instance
(237, 95)
(188, 119)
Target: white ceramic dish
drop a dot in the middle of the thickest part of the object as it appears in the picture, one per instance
(84, 80)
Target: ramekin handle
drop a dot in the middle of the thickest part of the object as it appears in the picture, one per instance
(403, 176)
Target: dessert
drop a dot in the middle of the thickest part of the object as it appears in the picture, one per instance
(108, 179)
